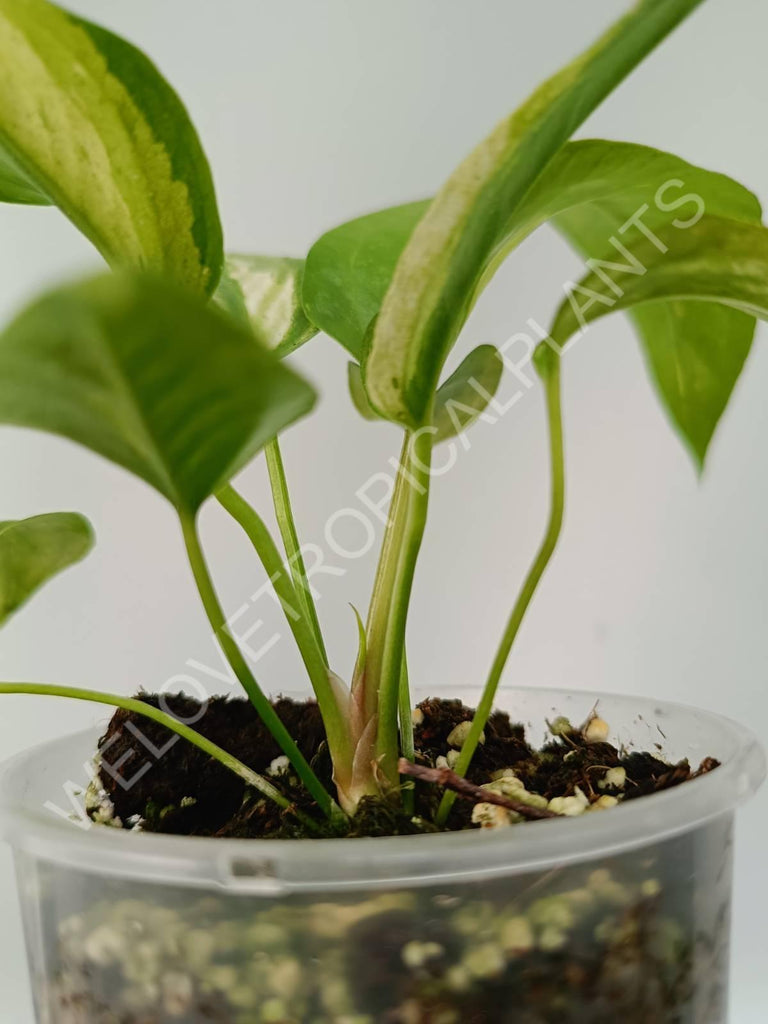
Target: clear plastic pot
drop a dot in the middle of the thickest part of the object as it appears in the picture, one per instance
(621, 916)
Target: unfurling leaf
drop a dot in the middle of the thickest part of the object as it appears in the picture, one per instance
(268, 290)
(362, 648)
(150, 377)
(89, 124)
(34, 550)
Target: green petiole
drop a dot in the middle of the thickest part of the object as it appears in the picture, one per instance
(139, 707)
(287, 526)
(548, 365)
(240, 667)
(407, 745)
(314, 660)
(403, 553)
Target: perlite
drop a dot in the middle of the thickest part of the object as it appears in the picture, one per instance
(178, 993)
(614, 778)
(485, 961)
(491, 816)
(596, 730)
(416, 954)
(517, 936)
(457, 737)
(569, 806)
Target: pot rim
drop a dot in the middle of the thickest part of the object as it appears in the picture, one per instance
(277, 867)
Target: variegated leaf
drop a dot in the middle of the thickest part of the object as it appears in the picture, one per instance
(270, 289)
(715, 261)
(88, 123)
(449, 251)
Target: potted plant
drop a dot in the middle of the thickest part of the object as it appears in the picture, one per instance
(378, 854)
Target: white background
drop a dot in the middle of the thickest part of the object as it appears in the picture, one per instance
(311, 113)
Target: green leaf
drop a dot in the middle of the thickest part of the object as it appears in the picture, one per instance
(15, 186)
(150, 377)
(33, 550)
(695, 353)
(268, 290)
(716, 260)
(713, 264)
(466, 393)
(88, 122)
(350, 268)
(357, 393)
(621, 179)
(438, 273)
(590, 190)
(463, 397)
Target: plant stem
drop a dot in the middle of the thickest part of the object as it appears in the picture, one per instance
(404, 556)
(383, 585)
(407, 745)
(239, 665)
(254, 526)
(139, 707)
(287, 526)
(548, 364)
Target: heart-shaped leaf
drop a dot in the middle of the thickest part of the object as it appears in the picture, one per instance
(439, 271)
(88, 122)
(463, 397)
(695, 352)
(590, 190)
(713, 263)
(627, 180)
(150, 377)
(268, 290)
(350, 269)
(33, 550)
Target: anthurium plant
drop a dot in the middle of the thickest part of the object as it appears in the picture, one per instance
(172, 363)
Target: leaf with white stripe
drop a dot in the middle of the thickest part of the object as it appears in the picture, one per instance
(438, 274)
(349, 270)
(270, 290)
(89, 124)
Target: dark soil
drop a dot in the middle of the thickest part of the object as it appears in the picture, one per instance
(178, 789)
(620, 939)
